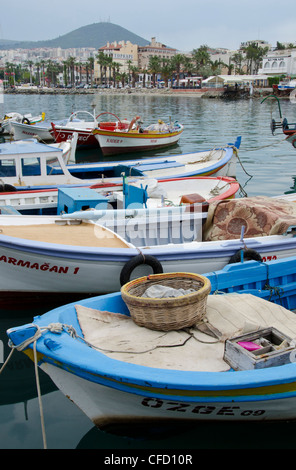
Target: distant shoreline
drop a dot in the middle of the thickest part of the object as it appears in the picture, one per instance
(198, 93)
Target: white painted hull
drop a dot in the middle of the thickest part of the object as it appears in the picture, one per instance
(113, 143)
(106, 406)
(118, 372)
(29, 131)
(28, 266)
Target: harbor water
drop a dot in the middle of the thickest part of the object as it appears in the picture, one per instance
(266, 166)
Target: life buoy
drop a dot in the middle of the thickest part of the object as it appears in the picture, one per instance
(137, 261)
(249, 255)
(26, 121)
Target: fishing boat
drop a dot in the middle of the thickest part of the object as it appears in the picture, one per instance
(145, 193)
(39, 130)
(234, 362)
(83, 127)
(46, 257)
(6, 124)
(117, 138)
(287, 85)
(28, 164)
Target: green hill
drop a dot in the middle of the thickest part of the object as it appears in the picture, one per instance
(94, 35)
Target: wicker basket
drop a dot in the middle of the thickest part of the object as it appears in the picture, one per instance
(172, 313)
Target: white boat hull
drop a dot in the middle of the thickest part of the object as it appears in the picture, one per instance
(113, 143)
(30, 131)
(29, 267)
(107, 406)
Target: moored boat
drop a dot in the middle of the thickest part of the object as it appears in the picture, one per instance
(43, 166)
(40, 258)
(118, 139)
(6, 124)
(235, 363)
(136, 193)
(83, 127)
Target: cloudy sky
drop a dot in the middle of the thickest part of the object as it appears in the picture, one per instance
(182, 24)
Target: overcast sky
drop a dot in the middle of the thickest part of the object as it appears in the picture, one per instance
(182, 24)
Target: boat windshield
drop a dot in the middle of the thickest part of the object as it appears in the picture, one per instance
(53, 166)
(7, 167)
(31, 166)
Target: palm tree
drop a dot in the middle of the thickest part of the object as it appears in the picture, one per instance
(65, 70)
(166, 70)
(71, 65)
(42, 65)
(52, 71)
(115, 66)
(9, 73)
(237, 58)
(30, 64)
(230, 67)
(37, 65)
(216, 66)
(123, 78)
(188, 66)
(90, 62)
(129, 64)
(201, 57)
(254, 55)
(134, 72)
(102, 63)
(177, 61)
(154, 66)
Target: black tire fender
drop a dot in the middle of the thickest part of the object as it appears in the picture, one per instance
(26, 121)
(249, 255)
(7, 188)
(137, 261)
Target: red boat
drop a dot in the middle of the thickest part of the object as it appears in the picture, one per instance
(84, 129)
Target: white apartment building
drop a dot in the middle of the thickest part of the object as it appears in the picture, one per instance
(279, 62)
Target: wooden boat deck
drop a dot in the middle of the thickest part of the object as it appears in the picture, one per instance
(84, 234)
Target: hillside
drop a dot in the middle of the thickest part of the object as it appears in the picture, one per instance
(94, 35)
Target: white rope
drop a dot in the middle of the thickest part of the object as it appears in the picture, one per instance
(39, 396)
(6, 362)
(54, 328)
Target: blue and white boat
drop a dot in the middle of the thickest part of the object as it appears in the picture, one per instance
(27, 164)
(236, 364)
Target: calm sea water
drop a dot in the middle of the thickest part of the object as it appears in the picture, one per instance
(267, 166)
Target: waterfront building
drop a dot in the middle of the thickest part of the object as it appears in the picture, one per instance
(279, 62)
(124, 54)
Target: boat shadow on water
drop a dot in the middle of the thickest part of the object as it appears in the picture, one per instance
(199, 436)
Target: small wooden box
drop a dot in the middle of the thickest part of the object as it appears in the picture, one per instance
(275, 349)
(192, 199)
